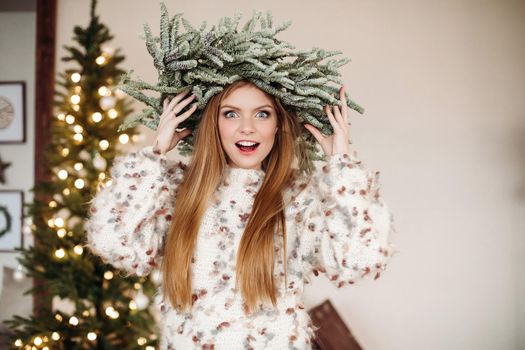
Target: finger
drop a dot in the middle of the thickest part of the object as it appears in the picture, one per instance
(344, 104)
(331, 118)
(177, 98)
(186, 114)
(338, 116)
(165, 104)
(183, 104)
(317, 134)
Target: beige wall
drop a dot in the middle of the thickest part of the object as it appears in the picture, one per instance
(442, 83)
(17, 62)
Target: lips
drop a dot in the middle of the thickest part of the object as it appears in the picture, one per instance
(247, 148)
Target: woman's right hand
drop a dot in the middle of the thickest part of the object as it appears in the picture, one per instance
(167, 137)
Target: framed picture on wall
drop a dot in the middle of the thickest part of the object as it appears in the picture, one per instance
(12, 112)
(11, 216)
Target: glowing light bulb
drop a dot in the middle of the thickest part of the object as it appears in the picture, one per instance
(96, 117)
(18, 342)
(101, 176)
(51, 223)
(108, 275)
(66, 191)
(103, 144)
(75, 99)
(61, 116)
(78, 166)
(73, 321)
(76, 108)
(59, 318)
(92, 336)
(37, 341)
(61, 233)
(78, 137)
(132, 305)
(55, 336)
(52, 204)
(123, 138)
(103, 91)
(79, 183)
(59, 222)
(70, 119)
(77, 89)
(142, 341)
(113, 113)
(78, 249)
(100, 60)
(62, 174)
(75, 77)
(65, 152)
(60, 253)
(78, 129)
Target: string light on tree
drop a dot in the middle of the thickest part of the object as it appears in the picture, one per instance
(62, 174)
(79, 183)
(75, 99)
(60, 253)
(61, 116)
(96, 117)
(73, 321)
(61, 232)
(112, 113)
(103, 144)
(104, 91)
(78, 129)
(70, 119)
(100, 60)
(123, 138)
(78, 249)
(92, 336)
(78, 138)
(64, 152)
(75, 77)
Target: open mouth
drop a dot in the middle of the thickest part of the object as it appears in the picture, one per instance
(247, 147)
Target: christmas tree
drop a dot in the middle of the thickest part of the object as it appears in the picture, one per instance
(105, 310)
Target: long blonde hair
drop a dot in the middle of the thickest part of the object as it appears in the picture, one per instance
(255, 257)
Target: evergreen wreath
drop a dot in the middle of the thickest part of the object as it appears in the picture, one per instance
(5, 213)
(203, 62)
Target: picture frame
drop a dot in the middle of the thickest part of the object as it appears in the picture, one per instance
(12, 112)
(12, 210)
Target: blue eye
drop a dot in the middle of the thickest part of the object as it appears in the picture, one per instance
(267, 114)
(226, 113)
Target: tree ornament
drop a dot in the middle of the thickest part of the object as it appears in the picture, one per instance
(99, 162)
(141, 300)
(205, 61)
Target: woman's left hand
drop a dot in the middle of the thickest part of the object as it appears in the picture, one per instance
(337, 142)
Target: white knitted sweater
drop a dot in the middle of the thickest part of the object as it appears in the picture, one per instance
(338, 225)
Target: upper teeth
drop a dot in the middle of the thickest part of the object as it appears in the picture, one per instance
(247, 143)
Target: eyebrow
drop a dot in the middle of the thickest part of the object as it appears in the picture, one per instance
(232, 107)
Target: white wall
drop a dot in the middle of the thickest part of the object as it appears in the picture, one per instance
(442, 83)
(17, 62)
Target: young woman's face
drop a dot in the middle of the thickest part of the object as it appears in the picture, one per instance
(247, 115)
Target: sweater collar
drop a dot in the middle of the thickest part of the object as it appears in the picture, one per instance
(243, 176)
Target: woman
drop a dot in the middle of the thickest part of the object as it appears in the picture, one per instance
(238, 231)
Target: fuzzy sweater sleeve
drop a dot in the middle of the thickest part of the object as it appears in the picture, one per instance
(129, 219)
(347, 224)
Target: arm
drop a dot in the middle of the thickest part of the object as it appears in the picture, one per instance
(346, 224)
(129, 219)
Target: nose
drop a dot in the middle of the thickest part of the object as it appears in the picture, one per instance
(246, 126)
